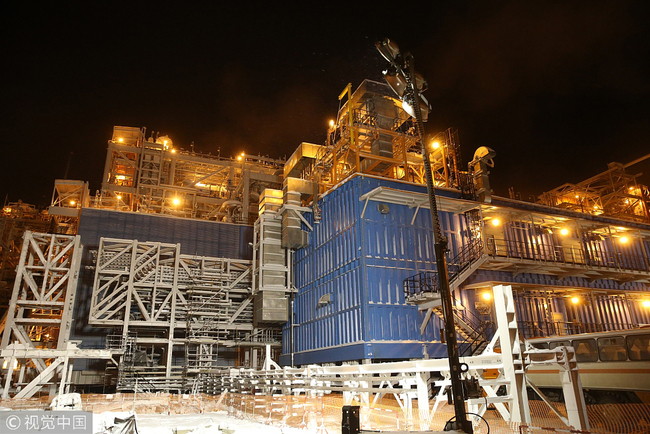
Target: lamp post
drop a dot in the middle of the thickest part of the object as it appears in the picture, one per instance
(408, 85)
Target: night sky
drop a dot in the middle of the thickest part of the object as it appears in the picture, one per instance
(557, 88)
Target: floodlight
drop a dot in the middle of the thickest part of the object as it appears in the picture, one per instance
(395, 81)
(424, 107)
(388, 49)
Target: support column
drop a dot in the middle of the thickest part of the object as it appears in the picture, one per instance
(511, 353)
(574, 399)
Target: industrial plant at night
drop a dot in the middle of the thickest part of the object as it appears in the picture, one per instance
(198, 274)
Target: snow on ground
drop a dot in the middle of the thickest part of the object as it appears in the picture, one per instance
(206, 423)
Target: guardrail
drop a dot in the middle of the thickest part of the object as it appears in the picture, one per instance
(501, 247)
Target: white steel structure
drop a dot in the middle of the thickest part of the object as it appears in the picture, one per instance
(36, 349)
(173, 312)
(412, 380)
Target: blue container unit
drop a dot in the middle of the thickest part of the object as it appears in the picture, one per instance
(350, 302)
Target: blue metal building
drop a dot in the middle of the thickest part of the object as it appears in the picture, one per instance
(350, 303)
(375, 233)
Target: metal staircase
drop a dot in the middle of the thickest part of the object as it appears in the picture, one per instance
(472, 329)
(423, 290)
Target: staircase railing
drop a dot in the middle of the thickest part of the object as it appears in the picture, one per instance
(476, 337)
(427, 281)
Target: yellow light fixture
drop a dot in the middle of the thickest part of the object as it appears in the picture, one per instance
(173, 151)
(176, 201)
(624, 239)
(121, 139)
(239, 158)
(631, 188)
(646, 303)
(165, 142)
(73, 203)
(487, 296)
(564, 231)
(575, 300)
(435, 145)
(332, 123)
(495, 222)
(577, 196)
(119, 197)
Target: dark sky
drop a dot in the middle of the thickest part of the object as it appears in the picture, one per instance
(557, 88)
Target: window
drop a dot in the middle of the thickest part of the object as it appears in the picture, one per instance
(559, 344)
(638, 347)
(612, 349)
(540, 345)
(586, 350)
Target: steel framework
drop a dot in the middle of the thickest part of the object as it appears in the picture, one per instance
(410, 381)
(613, 192)
(372, 134)
(35, 344)
(150, 175)
(15, 219)
(174, 312)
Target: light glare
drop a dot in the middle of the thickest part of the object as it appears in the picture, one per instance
(575, 300)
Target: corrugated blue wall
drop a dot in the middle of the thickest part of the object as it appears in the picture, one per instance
(197, 237)
(361, 263)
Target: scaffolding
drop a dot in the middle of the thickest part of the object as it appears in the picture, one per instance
(150, 175)
(175, 313)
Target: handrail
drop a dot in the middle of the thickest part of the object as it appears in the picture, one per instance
(427, 281)
(574, 255)
(534, 329)
(478, 327)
